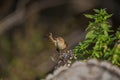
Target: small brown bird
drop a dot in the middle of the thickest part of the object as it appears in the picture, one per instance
(59, 43)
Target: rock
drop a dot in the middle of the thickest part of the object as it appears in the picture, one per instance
(90, 70)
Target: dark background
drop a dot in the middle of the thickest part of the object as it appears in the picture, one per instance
(25, 50)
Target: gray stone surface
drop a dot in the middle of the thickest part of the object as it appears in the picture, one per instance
(90, 70)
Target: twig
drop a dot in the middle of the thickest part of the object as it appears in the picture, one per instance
(19, 17)
(12, 20)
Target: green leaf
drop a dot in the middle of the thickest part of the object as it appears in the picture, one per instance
(96, 10)
(108, 16)
(90, 35)
(88, 16)
(105, 27)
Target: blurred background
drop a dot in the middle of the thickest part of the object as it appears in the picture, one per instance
(25, 50)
